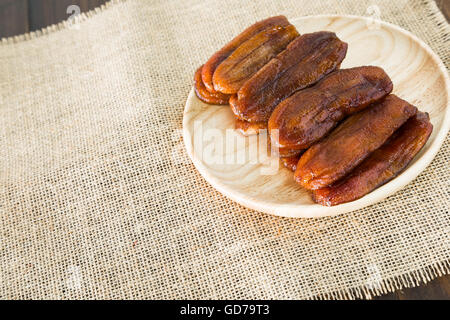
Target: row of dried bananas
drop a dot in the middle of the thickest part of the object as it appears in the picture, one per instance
(340, 130)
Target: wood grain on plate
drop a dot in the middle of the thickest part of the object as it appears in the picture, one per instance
(228, 161)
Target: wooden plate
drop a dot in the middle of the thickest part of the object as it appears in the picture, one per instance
(236, 167)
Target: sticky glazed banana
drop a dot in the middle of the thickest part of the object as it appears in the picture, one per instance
(351, 142)
(249, 57)
(217, 58)
(305, 61)
(381, 166)
(249, 128)
(310, 114)
(290, 162)
(205, 95)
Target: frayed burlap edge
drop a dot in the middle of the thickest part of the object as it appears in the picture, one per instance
(438, 17)
(408, 280)
(59, 26)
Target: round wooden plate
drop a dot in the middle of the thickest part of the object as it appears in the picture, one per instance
(237, 166)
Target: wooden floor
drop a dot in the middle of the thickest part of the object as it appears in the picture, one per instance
(20, 16)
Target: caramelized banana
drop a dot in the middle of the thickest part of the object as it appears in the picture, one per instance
(351, 142)
(285, 152)
(206, 96)
(211, 65)
(290, 162)
(233, 103)
(305, 61)
(310, 114)
(381, 166)
(253, 54)
(249, 128)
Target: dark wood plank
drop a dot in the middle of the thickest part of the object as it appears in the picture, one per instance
(444, 5)
(47, 12)
(19, 16)
(13, 17)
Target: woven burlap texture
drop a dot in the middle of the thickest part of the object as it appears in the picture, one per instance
(98, 198)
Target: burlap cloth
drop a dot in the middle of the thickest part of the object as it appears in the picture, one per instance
(98, 198)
